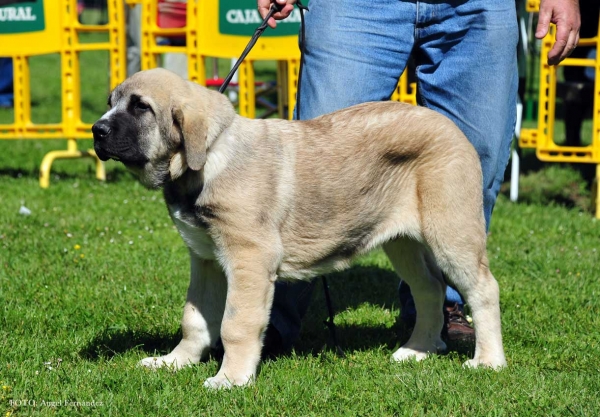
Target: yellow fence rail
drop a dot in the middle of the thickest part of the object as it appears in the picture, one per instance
(541, 138)
(210, 31)
(58, 31)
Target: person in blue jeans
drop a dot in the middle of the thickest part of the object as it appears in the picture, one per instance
(465, 59)
(6, 83)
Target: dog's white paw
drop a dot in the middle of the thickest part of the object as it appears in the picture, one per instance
(406, 354)
(168, 361)
(495, 364)
(218, 383)
(222, 382)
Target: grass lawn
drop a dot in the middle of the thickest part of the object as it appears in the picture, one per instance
(95, 279)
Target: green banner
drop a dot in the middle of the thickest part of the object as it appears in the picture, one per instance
(241, 18)
(22, 16)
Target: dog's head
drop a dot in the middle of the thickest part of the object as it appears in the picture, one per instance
(159, 125)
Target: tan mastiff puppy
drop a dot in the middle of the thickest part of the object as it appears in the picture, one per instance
(260, 200)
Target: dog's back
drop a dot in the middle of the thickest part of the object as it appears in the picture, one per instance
(371, 173)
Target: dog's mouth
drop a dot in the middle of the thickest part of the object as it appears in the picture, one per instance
(105, 156)
(128, 157)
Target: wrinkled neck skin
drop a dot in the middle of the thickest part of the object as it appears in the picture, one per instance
(154, 176)
(184, 190)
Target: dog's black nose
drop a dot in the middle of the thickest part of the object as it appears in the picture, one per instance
(101, 129)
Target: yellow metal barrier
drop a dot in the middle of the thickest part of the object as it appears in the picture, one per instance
(221, 29)
(541, 138)
(57, 30)
(209, 32)
(405, 92)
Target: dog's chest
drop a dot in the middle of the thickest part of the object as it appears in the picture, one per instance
(195, 237)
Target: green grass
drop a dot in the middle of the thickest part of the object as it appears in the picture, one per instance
(95, 279)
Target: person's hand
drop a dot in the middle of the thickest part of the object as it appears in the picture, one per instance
(286, 9)
(565, 15)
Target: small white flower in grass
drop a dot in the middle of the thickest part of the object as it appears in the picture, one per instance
(131, 242)
(119, 232)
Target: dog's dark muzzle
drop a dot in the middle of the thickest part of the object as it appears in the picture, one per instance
(101, 130)
(110, 143)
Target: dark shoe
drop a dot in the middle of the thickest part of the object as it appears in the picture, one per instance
(456, 326)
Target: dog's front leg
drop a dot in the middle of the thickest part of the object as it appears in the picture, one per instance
(202, 315)
(251, 285)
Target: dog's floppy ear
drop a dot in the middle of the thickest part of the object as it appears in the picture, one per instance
(202, 116)
(193, 128)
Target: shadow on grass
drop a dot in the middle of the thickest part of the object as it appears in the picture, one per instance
(349, 290)
(19, 173)
(531, 164)
(115, 175)
(111, 342)
(562, 184)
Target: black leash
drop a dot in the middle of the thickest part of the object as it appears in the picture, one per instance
(329, 322)
(257, 33)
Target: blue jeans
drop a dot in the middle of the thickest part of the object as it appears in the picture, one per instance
(6, 82)
(466, 68)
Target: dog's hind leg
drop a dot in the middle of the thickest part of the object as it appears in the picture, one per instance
(414, 264)
(202, 316)
(462, 257)
(478, 286)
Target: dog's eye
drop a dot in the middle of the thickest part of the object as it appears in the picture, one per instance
(140, 105)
